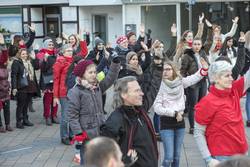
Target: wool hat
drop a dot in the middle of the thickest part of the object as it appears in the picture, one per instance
(80, 68)
(46, 42)
(130, 55)
(98, 41)
(130, 34)
(121, 39)
(217, 68)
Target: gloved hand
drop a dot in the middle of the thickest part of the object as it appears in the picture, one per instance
(130, 158)
(80, 138)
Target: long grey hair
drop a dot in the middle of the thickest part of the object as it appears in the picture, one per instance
(121, 86)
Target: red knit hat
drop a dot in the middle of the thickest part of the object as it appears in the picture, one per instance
(121, 39)
(80, 68)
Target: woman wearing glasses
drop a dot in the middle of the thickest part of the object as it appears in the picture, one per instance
(60, 69)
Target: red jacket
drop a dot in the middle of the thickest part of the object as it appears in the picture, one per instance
(60, 70)
(82, 49)
(220, 112)
(4, 74)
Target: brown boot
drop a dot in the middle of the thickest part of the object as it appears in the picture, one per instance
(2, 129)
(9, 128)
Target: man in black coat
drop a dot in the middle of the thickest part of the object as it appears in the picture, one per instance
(129, 124)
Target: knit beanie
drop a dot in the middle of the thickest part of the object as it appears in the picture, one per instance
(130, 34)
(80, 68)
(217, 68)
(130, 55)
(98, 41)
(46, 43)
(121, 39)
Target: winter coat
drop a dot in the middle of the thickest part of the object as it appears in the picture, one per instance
(17, 72)
(14, 49)
(85, 109)
(119, 126)
(92, 56)
(122, 53)
(171, 99)
(60, 69)
(4, 74)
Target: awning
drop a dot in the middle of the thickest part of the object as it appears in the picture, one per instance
(94, 2)
(31, 2)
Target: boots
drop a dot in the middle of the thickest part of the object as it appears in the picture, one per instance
(9, 128)
(2, 130)
(48, 122)
(55, 120)
(19, 125)
(26, 122)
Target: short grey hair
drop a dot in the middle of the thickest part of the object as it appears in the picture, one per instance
(64, 47)
(121, 86)
(217, 68)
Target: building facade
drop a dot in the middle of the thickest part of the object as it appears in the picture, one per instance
(111, 18)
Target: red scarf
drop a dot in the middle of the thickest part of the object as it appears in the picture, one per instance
(22, 46)
(50, 52)
(190, 43)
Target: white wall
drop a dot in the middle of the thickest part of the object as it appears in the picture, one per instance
(114, 19)
(132, 14)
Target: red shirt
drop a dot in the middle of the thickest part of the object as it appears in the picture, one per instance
(220, 112)
(60, 69)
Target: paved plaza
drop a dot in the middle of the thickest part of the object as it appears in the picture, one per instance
(39, 146)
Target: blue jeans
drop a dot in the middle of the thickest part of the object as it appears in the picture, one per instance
(65, 131)
(248, 105)
(156, 123)
(172, 142)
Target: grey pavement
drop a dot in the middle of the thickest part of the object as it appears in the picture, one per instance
(39, 146)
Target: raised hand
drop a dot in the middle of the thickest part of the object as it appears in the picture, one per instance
(32, 27)
(1, 39)
(142, 30)
(173, 29)
(204, 63)
(242, 37)
(144, 46)
(235, 20)
(201, 17)
(208, 23)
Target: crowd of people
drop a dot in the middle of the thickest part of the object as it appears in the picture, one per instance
(202, 79)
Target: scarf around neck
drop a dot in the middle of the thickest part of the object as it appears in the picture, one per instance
(173, 87)
(28, 69)
(137, 69)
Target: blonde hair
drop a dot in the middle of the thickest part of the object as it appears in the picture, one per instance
(18, 54)
(176, 72)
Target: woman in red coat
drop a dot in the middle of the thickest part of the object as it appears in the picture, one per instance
(219, 127)
(60, 70)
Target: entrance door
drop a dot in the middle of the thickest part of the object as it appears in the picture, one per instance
(100, 27)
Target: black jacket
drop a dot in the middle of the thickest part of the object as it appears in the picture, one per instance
(17, 71)
(92, 56)
(47, 69)
(122, 53)
(119, 124)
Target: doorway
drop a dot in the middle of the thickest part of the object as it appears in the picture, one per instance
(99, 27)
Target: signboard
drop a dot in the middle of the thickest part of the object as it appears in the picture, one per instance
(130, 28)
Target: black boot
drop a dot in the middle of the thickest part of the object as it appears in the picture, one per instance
(27, 123)
(19, 125)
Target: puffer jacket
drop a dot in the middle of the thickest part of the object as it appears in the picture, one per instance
(60, 69)
(85, 110)
(4, 74)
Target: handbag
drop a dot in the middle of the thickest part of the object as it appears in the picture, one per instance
(24, 81)
(47, 79)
